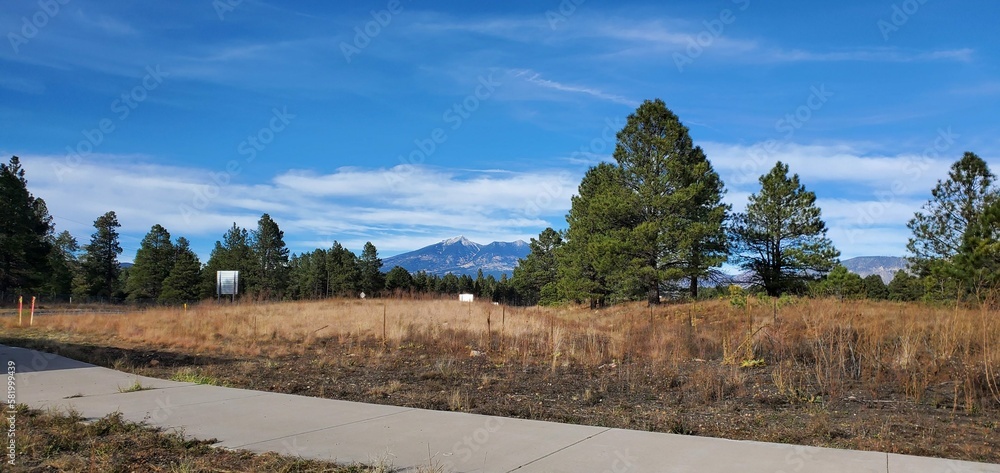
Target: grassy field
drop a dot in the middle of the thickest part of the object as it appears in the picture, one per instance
(896, 377)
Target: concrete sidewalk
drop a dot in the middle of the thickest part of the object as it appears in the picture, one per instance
(415, 439)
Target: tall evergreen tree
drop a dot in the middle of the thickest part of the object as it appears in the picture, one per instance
(65, 267)
(698, 228)
(153, 262)
(448, 284)
(100, 260)
(781, 238)
(25, 231)
(308, 275)
(270, 273)
(593, 263)
(344, 273)
(370, 271)
(398, 280)
(678, 197)
(182, 283)
(536, 276)
(940, 229)
(977, 264)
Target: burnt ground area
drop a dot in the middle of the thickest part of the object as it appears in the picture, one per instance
(699, 397)
(61, 442)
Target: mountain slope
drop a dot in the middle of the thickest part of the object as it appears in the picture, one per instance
(884, 266)
(460, 255)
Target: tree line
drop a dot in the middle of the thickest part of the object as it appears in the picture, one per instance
(653, 223)
(650, 225)
(35, 260)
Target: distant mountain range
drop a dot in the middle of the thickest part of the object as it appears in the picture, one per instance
(460, 255)
(884, 266)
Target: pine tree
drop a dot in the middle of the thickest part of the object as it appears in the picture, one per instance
(153, 262)
(182, 283)
(100, 260)
(875, 288)
(270, 270)
(398, 280)
(344, 273)
(977, 264)
(64, 265)
(536, 276)
(678, 197)
(594, 260)
(308, 275)
(840, 282)
(698, 227)
(25, 232)
(448, 284)
(905, 287)
(941, 231)
(781, 238)
(370, 271)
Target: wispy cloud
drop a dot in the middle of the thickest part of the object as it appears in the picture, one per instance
(105, 24)
(881, 54)
(536, 78)
(22, 85)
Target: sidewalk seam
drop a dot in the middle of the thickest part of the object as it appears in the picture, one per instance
(559, 450)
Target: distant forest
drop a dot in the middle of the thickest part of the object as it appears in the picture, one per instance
(650, 226)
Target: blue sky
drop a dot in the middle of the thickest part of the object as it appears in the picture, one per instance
(405, 123)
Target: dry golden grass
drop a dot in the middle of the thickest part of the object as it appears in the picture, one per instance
(812, 347)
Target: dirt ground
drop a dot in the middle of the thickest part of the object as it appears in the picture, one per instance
(700, 397)
(61, 442)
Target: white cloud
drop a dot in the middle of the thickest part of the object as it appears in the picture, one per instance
(536, 78)
(904, 174)
(398, 209)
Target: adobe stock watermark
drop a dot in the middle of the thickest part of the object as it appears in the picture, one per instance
(30, 26)
(249, 149)
(712, 31)
(562, 12)
(164, 409)
(900, 15)
(914, 169)
(223, 7)
(366, 33)
(463, 450)
(552, 190)
(11, 411)
(601, 144)
(455, 116)
(549, 192)
(761, 154)
(798, 458)
(622, 463)
(292, 449)
(803, 113)
(122, 107)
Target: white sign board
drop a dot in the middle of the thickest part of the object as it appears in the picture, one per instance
(227, 283)
(465, 297)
